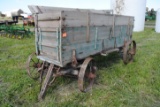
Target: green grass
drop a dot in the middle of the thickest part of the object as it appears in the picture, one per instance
(117, 85)
(150, 22)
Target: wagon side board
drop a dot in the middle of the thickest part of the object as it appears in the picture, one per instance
(87, 33)
(105, 32)
(46, 9)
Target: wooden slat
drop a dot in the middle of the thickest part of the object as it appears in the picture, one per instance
(47, 9)
(74, 19)
(48, 24)
(100, 20)
(48, 44)
(49, 55)
(77, 19)
(83, 50)
(49, 16)
(49, 50)
(49, 36)
(124, 20)
(78, 35)
(48, 29)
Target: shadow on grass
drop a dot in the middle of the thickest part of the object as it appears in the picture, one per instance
(101, 62)
(107, 61)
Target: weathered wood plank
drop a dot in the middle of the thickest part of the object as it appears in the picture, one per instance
(82, 50)
(49, 51)
(48, 24)
(49, 16)
(48, 29)
(74, 19)
(100, 20)
(48, 44)
(47, 9)
(78, 35)
(49, 39)
(124, 20)
(77, 19)
(49, 35)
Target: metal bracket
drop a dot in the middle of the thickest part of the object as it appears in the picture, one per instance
(109, 51)
(96, 37)
(88, 27)
(113, 26)
(74, 60)
(40, 39)
(121, 32)
(59, 46)
(128, 27)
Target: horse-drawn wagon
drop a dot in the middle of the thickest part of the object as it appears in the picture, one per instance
(66, 39)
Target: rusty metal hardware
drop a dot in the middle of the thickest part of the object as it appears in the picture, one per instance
(74, 60)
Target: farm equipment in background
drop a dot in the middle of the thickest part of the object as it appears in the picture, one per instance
(14, 31)
(29, 21)
(150, 15)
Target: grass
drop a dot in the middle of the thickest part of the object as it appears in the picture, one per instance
(150, 22)
(117, 85)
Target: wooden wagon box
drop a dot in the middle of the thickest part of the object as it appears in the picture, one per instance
(65, 40)
(63, 33)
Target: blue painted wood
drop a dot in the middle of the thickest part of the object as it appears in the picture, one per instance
(58, 50)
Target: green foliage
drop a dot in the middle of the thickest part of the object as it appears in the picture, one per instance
(136, 84)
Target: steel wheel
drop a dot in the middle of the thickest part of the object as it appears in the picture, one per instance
(86, 75)
(129, 51)
(34, 66)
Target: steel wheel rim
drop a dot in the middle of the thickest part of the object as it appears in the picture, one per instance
(129, 51)
(32, 66)
(84, 75)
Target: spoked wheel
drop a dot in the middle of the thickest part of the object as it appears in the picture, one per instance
(34, 66)
(46, 82)
(129, 51)
(86, 75)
